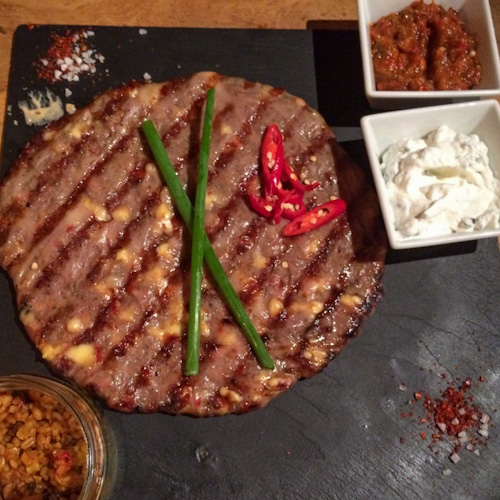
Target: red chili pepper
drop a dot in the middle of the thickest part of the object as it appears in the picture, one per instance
(273, 157)
(263, 206)
(290, 175)
(292, 205)
(314, 218)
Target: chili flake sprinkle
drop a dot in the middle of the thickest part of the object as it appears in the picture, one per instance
(68, 57)
(455, 418)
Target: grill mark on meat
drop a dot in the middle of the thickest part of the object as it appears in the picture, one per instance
(244, 131)
(83, 234)
(66, 309)
(145, 373)
(74, 197)
(312, 268)
(53, 171)
(217, 119)
(121, 348)
(62, 257)
(143, 260)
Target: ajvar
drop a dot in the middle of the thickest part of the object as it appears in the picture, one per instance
(424, 47)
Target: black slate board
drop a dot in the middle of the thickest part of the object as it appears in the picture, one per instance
(338, 434)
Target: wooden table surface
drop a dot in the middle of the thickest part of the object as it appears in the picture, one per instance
(285, 14)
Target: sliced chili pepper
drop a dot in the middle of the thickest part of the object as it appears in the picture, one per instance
(273, 156)
(263, 206)
(292, 205)
(315, 218)
(289, 174)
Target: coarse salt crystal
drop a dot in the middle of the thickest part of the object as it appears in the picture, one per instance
(446, 472)
(485, 418)
(67, 92)
(454, 458)
(57, 74)
(483, 432)
(476, 452)
(402, 387)
(442, 426)
(146, 76)
(142, 31)
(469, 447)
(90, 33)
(68, 60)
(461, 411)
(462, 434)
(455, 421)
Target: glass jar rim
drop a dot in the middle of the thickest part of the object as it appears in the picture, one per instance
(100, 442)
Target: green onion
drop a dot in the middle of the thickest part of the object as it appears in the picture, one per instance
(193, 339)
(183, 204)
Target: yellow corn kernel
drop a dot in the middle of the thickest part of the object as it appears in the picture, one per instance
(309, 307)
(163, 250)
(232, 396)
(75, 325)
(274, 307)
(259, 261)
(123, 255)
(82, 354)
(210, 200)
(49, 352)
(151, 169)
(226, 129)
(121, 214)
(163, 211)
(99, 211)
(350, 300)
(155, 274)
(127, 314)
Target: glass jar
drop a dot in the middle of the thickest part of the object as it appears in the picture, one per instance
(100, 442)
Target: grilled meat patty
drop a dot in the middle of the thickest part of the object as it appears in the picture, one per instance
(100, 260)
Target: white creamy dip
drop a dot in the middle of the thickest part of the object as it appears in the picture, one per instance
(441, 184)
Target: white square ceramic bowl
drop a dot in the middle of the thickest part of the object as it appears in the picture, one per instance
(477, 17)
(383, 129)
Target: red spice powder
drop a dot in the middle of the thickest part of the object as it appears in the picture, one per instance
(454, 417)
(68, 56)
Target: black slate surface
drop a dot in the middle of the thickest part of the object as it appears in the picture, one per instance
(339, 434)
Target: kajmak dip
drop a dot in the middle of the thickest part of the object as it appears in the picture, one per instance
(441, 184)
